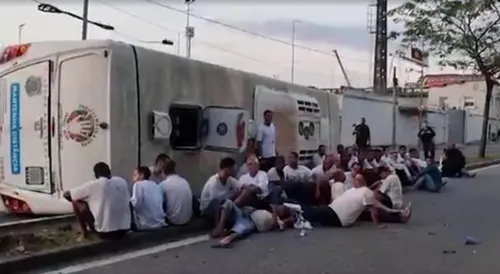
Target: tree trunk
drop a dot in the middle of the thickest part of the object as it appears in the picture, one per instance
(486, 117)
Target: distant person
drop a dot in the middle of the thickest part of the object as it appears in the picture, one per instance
(319, 156)
(146, 201)
(178, 197)
(266, 141)
(102, 205)
(426, 136)
(453, 164)
(362, 134)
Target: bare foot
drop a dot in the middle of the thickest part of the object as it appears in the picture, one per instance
(81, 238)
(406, 214)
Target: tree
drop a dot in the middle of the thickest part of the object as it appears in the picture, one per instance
(463, 34)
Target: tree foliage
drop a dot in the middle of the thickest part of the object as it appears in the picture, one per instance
(463, 34)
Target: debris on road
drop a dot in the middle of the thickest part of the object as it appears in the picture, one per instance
(471, 241)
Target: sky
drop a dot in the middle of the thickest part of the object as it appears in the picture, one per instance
(320, 27)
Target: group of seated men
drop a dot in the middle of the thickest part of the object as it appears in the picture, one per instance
(338, 190)
(106, 206)
(335, 192)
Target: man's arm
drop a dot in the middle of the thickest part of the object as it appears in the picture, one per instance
(258, 142)
(136, 196)
(433, 133)
(369, 135)
(79, 193)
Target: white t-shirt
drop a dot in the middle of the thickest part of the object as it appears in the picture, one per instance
(178, 199)
(419, 163)
(108, 200)
(319, 171)
(273, 175)
(317, 159)
(349, 179)
(267, 136)
(147, 202)
(214, 189)
(352, 203)
(337, 189)
(260, 180)
(391, 186)
(302, 173)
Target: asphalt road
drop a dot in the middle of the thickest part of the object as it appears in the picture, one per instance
(433, 242)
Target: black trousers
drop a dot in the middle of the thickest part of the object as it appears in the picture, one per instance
(429, 149)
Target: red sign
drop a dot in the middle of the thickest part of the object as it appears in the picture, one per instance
(442, 80)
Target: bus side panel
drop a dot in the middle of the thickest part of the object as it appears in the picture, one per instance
(124, 128)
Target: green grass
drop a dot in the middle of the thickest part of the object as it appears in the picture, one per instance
(488, 157)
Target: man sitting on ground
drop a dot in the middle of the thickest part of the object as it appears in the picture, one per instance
(157, 170)
(256, 191)
(217, 189)
(276, 173)
(454, 164)
(337, 184)
(346, 209)
(102, 205)
(146, 201)
(177, 195)
(429, 178)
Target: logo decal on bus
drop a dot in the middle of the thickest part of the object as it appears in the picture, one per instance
(81, 125)
(15, 144)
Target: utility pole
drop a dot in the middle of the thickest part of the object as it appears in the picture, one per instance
(85, 19)
(293, 51)
(178, 43)
(380, 56)
(189, 29)
(394, 105)
(20, 32)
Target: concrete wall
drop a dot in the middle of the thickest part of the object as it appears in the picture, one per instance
(451, 126)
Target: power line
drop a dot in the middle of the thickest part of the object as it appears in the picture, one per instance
(246, 31)
(208, 44)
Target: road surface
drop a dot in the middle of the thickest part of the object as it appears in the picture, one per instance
(432, 243)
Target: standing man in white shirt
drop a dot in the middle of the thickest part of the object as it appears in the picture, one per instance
(146, 201)
(178, 197)
(266, 141)
(102, 205)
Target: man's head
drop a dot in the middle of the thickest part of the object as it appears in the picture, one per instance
(252, 164)
(363, 120)
(370, 155)
(102, 169)
(359, 180)
(355, 168)
(394, 155)
(293, 159)
(340, 149)
(329, 161)
(429, 161)
(268, 117)
(321, 150)
(160, 162)
(384, 171)
(141, 173)
(169, 167)
(279, 163)
(414, 153)
(378, 153)
(339, 176)
(402, 149)
(425, 123)
(226, 167)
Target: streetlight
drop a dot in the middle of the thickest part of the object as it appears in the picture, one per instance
(163, 42)
(52, 9)
(20, 32)
(294, 23)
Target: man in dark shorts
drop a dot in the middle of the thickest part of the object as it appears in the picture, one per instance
(102, 205)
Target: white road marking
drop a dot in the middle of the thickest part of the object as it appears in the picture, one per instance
(160, 248)
(129, 255)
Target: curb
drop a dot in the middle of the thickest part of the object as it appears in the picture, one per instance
(482, 164)
(65, 255)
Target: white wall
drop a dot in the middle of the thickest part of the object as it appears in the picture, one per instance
(439, 121)
(455, 97)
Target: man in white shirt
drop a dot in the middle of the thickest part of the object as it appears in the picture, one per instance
(326, 168)
(266, 141)
(146, 201)
(217, 189)
(276, 173)
(321, 176)
(102, 205)
(390, 189)
(157, 170)
(319, 156)
(347, 208)
(178, 197)
(295, 172)
(255, 185)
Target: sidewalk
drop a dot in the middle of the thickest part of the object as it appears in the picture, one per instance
(471, 151)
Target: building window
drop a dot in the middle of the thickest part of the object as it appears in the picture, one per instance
(442, 102)
(469, 102)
